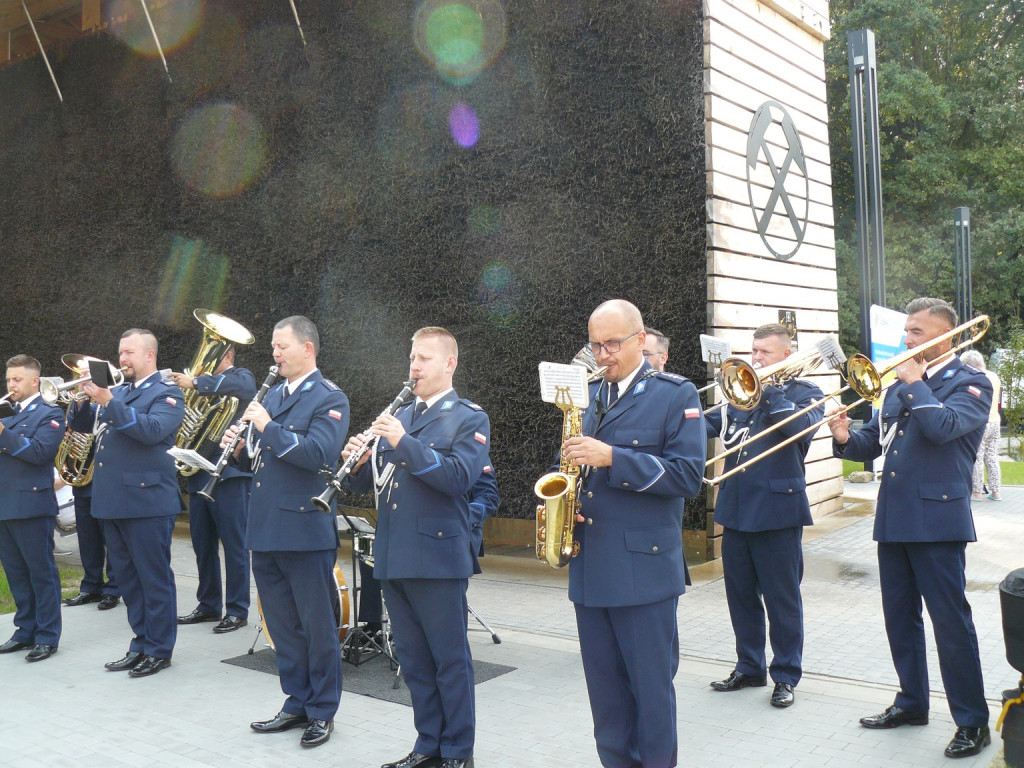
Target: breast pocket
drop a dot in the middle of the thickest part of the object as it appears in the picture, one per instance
(641, 439)
(298, 426)
(140, 479)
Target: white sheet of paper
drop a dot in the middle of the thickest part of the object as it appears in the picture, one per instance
(714, 351)
(192, 459)
(560, 383)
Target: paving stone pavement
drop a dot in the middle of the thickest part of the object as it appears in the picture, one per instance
(68, 711)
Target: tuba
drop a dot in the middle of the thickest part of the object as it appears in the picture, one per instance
(556, 517)
(207, 418)
(74, 460)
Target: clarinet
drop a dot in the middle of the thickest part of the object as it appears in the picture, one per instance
(323, 501)
(225, 457)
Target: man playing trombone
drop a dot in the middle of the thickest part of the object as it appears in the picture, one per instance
(928, 431)
(763, 510)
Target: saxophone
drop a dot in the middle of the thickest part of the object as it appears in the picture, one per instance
(560, 491)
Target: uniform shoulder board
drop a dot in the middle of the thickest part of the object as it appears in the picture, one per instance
(331, 385)
(675, 378)
(970, 368)
(472, 405)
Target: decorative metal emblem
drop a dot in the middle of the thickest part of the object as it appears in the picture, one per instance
(779, 191)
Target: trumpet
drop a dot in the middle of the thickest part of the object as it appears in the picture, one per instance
(864, 378)
(225, 457)
(53, 389)
(323, 501)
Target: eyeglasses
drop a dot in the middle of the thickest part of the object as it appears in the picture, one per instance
(610, 347)
(651, 354)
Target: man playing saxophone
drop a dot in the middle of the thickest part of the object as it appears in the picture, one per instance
(643, 441)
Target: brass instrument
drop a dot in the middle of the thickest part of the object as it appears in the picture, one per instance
(208, 417)
(742, 383)
(556, 517)
(864, 378)
(74, 460)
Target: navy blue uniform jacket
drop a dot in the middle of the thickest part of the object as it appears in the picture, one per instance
(28, 445)
(631, 545)
(305, 436)
(423, 514)
(135, 476)
(771, 494)
(935, 427)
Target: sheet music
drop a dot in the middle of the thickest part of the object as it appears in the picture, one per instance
(192, 459)
(560, 383)
(714, 351)
(352, 522)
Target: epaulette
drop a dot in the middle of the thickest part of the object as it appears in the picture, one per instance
(471, 404)
(675, 378)
(331, 385)
(970, 368)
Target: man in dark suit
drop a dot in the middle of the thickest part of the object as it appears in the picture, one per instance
(644, 444)
(28, 511)
(430, 454)
(763, 510)
(135, 493)
(928, 429)
(296, 432)
(222, 521)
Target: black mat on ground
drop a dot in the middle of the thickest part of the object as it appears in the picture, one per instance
(371, 678)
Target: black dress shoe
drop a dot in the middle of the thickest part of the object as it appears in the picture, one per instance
(782, 696)
(454, 762)
(229, 624)
(149, 665)
(738, 680)
(968, 741)
(130, 660)
(108, 602)
(198, 617)
(40, 652)
(282, 721)
(13, 645)
(415, 760)
(317, 733)
(894, 717)
(82, 598)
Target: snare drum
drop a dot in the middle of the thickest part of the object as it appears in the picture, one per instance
(363, 543)
(339, 603)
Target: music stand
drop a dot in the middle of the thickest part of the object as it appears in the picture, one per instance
(360, 645)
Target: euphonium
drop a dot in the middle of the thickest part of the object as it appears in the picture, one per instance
(207, 418)
(556, 517)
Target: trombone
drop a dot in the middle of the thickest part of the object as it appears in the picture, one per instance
(53, 389)
(865, 378)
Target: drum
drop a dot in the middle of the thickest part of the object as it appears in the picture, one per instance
(363, 543)
(339, 603)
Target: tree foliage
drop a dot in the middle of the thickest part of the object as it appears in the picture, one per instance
(951, 115)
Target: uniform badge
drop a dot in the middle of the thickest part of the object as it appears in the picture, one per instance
(974, 391)
(334, 414)
(54, 424)
(480, 437)
(447, 405)
(307, 386)
(32, 407)
(732, 428)
(146, 385)
(170, 401)
(694, 413)
(948, 375)
(487, 469)
(640, 387)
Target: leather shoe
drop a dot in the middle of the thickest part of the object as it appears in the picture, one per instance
(229, 624)
(82, 598)
(317, 733)
(130, 660)
(415, 760)
(149, 665)
(198, 617)
(13, 645)
(738, 680)
(894, 717)
(282, 721)
(40, 652)
(454, 762)
(968, 741)
(108, 602)
(782, 696)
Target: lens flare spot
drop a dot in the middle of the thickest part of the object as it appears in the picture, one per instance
(175, 21)
(193, 276)
(484, 220)
(460, 38)
(498, 293)
(219, 150)
(464, 125)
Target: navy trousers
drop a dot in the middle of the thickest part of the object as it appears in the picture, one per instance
(429, 621)
(296, 594)
(140, 551)
(766, 566)
(92, 546)
(933, 571)
(630, 657)
(26, 552)
(210, 524)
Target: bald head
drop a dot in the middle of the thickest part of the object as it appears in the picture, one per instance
(617, 338)
(621, 310)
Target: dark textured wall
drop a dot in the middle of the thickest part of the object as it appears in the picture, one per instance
(268, 180)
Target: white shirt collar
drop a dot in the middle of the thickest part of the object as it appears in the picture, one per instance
(292, 386)
(628, 380)
(138, 382)
(433, 399)
(24, 403)
(933, 370)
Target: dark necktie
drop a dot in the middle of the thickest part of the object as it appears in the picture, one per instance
(421, 408)
(613, 394)
(17, 407)
(284, 393)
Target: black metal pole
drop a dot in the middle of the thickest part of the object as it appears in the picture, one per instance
(962, 256)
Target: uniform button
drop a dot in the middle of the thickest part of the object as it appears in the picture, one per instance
(440, 534)
(302, 509)
(895, 453)
(431, 445)
(257, 485)
(944, 497)
(34, 488)
(590, 521)
(590, 494)
(636, 442)
(142, 485)
(790, 490)
(744, 453)
(900, 433)
(101, 463)
(910, 396)
(291, 426)
(625, 485)
(403, 463)
(654, 548)
(892, 474)
(394, 485)
(394, 506)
